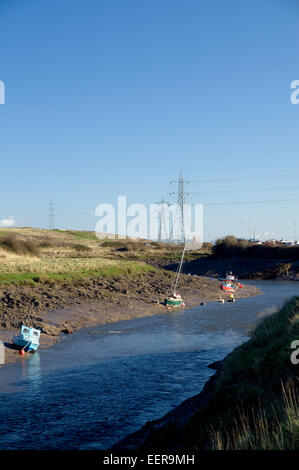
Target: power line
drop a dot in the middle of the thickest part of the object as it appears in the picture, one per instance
(282, 188)
(246, 178)
(249, 202)
(77, 213)
(51, 216)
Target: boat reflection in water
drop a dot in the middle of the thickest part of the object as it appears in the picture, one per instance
(32, 374)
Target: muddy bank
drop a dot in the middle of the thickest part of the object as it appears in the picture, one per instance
(59, 308)
(244, 268)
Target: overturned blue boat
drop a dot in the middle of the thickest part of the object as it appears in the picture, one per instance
(28, 339)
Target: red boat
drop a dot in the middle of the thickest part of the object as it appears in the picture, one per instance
(228, 286)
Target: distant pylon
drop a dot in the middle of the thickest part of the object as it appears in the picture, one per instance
(181, 201)
(51, 216)
(162, 222)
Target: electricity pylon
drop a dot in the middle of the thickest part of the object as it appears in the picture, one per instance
(181, 201)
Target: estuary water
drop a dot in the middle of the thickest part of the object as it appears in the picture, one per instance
(99, 384)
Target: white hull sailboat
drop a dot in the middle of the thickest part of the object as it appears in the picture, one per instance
(175, 300)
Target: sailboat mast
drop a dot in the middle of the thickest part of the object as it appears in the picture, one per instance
(179, 271)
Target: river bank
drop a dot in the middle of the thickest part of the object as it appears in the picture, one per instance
(250, 403)
(249, 260)
(245, 268)
(61, 280)
(60, 308)
(116, 377)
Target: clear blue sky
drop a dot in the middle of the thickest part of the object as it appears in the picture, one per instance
(109, 97)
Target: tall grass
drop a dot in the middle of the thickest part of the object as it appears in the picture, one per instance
(259, 430)
(82, 235)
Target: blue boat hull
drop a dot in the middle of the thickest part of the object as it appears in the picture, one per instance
(23, 344)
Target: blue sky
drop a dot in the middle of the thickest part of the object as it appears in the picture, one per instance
(111, 97)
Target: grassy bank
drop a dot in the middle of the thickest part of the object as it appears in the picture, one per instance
(34, 255)
(67, 270)
(31, 256)
(251, 402)
(259, 387)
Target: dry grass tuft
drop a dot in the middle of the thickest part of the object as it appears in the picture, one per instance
(257, 430)
(18, 246)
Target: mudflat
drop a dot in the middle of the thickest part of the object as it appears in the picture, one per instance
(62, 280)
(61, 308)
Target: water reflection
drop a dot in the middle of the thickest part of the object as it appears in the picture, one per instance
(31, 372)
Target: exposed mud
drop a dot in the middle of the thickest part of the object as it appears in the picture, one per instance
(61, 308)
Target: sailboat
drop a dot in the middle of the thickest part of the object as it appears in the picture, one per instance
(175, 300)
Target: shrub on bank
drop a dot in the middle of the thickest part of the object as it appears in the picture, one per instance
(19, 246)
(231, 246)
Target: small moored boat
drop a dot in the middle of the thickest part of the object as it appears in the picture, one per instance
(229, 286)
(230, 277)
(28, 339)
(174, 301)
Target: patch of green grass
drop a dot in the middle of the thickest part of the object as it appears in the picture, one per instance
(18, 278)
(83, 235)
(126, 268)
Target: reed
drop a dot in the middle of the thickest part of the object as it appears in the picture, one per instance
(277, 429)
